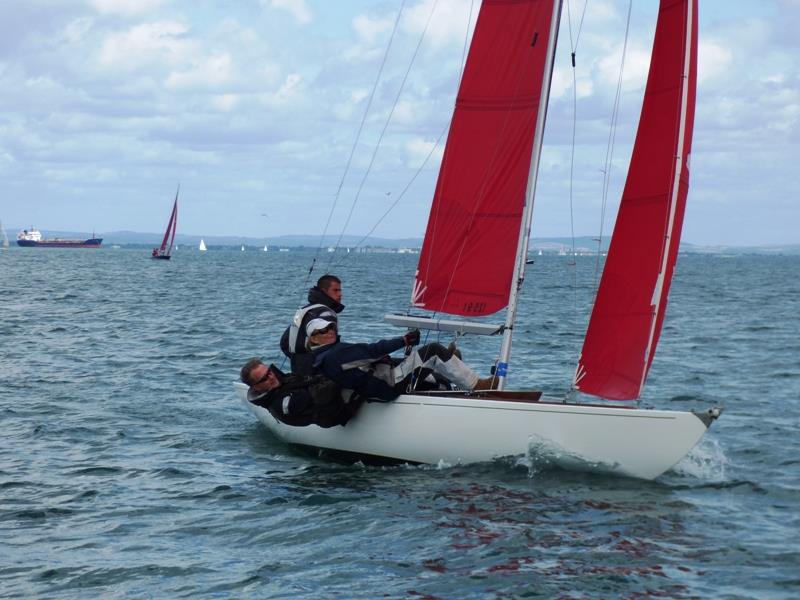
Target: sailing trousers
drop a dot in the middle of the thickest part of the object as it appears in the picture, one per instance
(435, 357)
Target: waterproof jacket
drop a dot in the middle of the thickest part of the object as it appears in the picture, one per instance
(293, 340)
(349, 366)
(306, 400)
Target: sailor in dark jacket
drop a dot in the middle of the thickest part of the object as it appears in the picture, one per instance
(367, 370)
(324, 302)
(298, 400)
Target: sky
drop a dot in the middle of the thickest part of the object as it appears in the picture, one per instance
(255, 108)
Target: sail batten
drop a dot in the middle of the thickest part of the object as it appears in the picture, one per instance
(631, 300)
(468, 256)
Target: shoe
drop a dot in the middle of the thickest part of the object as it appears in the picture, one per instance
(451, 348)
(488, 383)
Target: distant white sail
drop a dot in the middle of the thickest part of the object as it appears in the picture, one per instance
(4, 236)
(202, 246)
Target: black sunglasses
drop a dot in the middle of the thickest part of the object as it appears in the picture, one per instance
(270, 370)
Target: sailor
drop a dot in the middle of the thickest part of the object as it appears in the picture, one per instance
(368, 370)
(324, 302)
(298, 400)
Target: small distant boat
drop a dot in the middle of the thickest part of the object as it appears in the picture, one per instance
(5, 237)
(202, 246)
(242, 247)
(266, 248)
(165, 250)
(32, 238)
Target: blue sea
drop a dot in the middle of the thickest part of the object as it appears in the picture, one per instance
(128, 469)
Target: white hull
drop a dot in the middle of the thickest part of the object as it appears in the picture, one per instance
(459, 430)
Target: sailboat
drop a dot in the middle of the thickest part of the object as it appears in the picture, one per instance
(4, 245)
(265, 248)
(164, 251)
(202, 246)
(480, 222)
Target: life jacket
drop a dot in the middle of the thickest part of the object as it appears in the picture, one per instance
(293, 341)
(304, 400)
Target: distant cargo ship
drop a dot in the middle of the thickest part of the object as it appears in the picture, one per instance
(33, 238)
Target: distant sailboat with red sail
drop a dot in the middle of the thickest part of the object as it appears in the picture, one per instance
(164, 252)
(473, 258)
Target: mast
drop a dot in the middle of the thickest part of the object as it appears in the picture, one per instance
(530, 192)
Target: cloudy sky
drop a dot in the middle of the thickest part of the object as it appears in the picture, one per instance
(254, 106)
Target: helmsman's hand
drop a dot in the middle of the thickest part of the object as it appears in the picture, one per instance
(411, 338)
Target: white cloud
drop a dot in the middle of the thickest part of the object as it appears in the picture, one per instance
(418, 150)
(290, 93)
(77, 30)
(213, 72)
(448, 24)
(145, 90)
(126, 8)
(225, 102)
(159, 42)
(298, 9)
(370, 29)
(713, 60)
(634, 75)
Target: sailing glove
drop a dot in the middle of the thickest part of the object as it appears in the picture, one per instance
(411, 338)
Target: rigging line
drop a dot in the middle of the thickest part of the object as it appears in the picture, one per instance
(385, 126)
(610, 146)
(574, 46)
(357, 139)
(400, 196)
(573, 54)
(464, 49)
(574, 50)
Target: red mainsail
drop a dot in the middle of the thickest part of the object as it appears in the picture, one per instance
(629, 309)
(467, 258)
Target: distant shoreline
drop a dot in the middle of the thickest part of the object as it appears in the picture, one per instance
(550, 245)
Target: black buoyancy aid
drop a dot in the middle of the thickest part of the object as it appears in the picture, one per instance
(308, 400)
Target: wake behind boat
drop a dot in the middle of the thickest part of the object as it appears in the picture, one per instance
(479, 223)
(32, 238)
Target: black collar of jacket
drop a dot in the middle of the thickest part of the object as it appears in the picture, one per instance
(317, 296)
